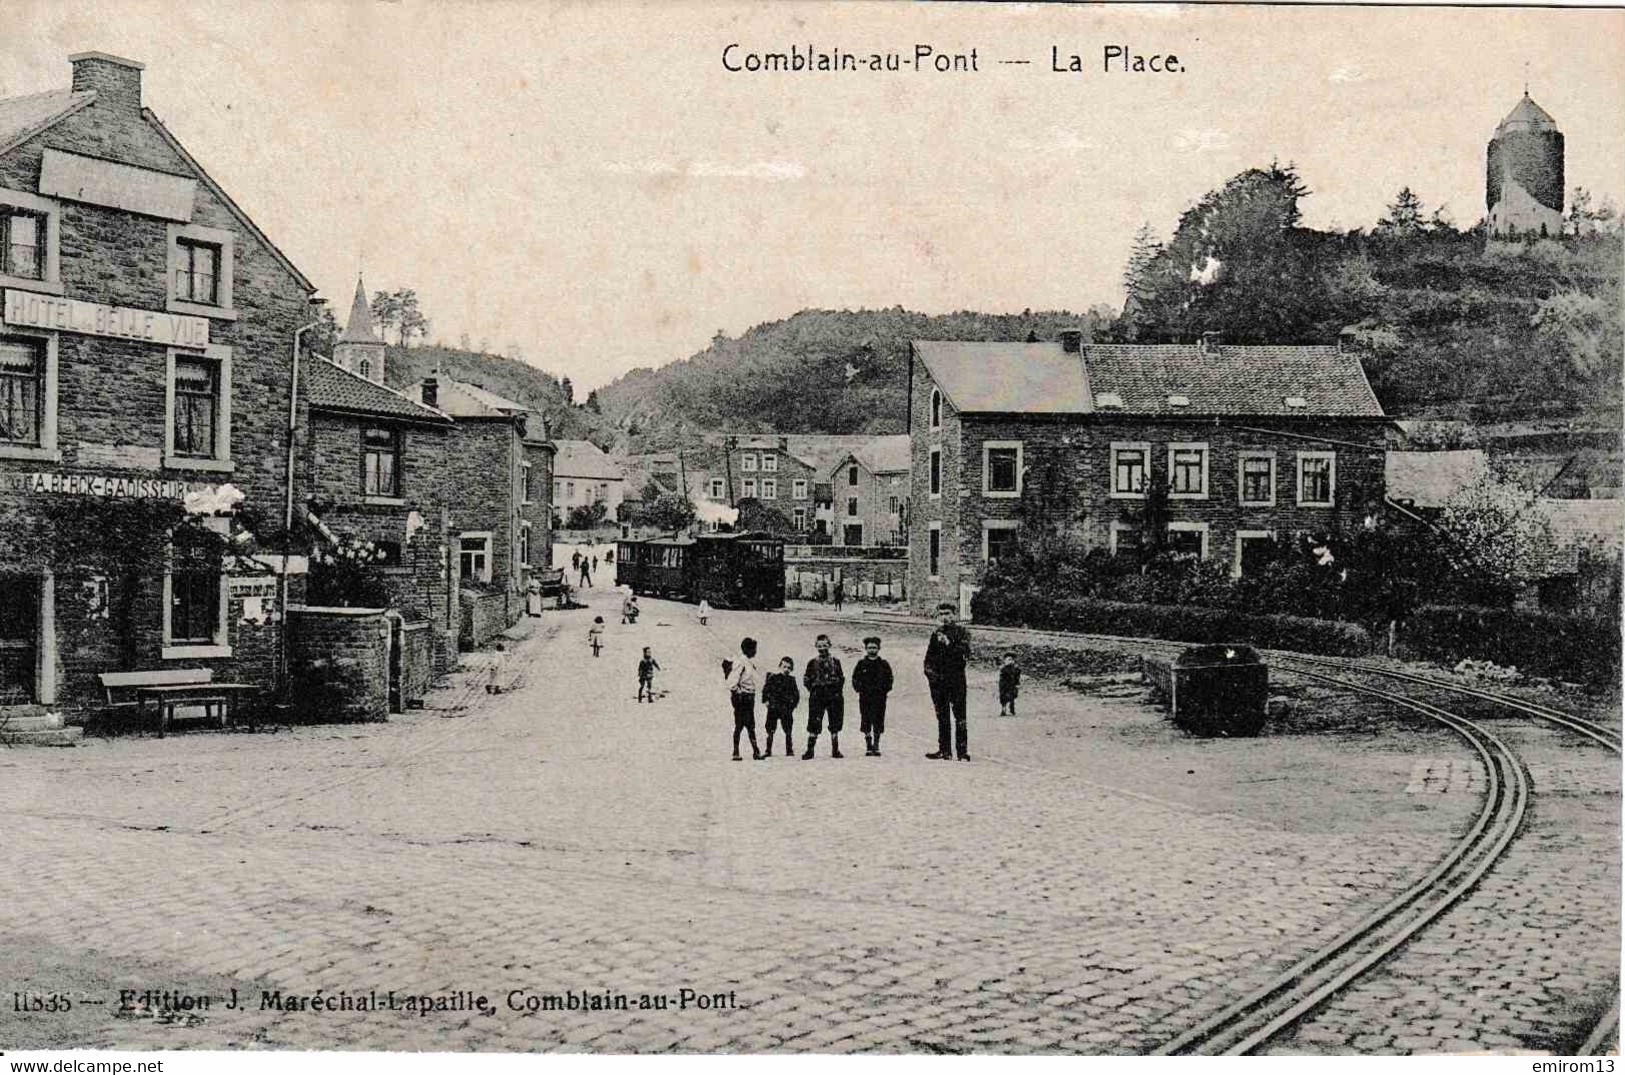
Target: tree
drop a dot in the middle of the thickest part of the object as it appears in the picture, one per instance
(669, 511)
(588, 516)
(325, 336)
(1404, 218)
(592, 402)
(569, 391)
(1582, 330)
(1496, 538)
(399, 310)
(386, 310)
(1137, 281)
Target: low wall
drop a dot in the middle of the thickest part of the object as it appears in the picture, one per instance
(338, 663)
(485, 615)
(813, 578)
(417, 663)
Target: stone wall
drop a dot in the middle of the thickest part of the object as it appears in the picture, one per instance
(879, 581)
(486, 615)
(338, 663)
(417, 663)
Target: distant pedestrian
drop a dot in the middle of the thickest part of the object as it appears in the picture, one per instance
(586, 574)
(629, 609)
(872, 681)
(595, 635)
(946, 656)
(647, 667)
(704, 611)
(494, 675)
(1009, 685)
(839, 594)
(595, 563)
(533, 598)
(575, 560)
(825, 680)
(742, 682)
(781, 696)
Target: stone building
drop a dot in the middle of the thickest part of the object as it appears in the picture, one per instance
(869, 493)
(584, 475)
(374, 469)
(146, 359)
(499, 470)
(1252, 442)
(1523, 174)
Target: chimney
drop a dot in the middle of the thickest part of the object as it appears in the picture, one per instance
(1210, 343)
(430, 390)
(1072, 341)
(117, 81)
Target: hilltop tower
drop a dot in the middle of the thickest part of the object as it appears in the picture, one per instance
(360, 350)
(1523, 181)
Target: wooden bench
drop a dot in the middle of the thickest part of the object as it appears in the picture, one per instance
(169, 688)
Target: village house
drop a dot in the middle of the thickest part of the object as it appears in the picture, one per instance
(146, 364)
(869, 493)
(582, 476)
(499, 516)
(1252, 442)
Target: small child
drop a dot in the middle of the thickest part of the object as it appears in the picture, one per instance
(646, 675)
(499, 660)
(742, 696)
(872, 681)
(1009, 685)
(705, 611)
(781, 696)
(595, 634)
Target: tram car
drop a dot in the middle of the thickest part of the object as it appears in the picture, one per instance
(727, 570)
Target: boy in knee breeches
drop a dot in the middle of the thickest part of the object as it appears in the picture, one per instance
(824, 680)
(872, 680)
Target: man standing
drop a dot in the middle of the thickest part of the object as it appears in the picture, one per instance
(945, 660)
(824, 679)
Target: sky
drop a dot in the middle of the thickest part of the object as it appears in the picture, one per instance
(590, 184)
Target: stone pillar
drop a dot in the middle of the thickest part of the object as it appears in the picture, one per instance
(45, 648)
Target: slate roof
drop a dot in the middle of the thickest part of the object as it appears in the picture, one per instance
(1025, 378)
(359, 329)
(1148, 379)
(1428, 479)
(584, 459)
(1526, 115)
(329, 386)
(887, 455)
(463, 400)
(23, 117)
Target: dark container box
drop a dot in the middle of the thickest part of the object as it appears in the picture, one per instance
(1213, 690)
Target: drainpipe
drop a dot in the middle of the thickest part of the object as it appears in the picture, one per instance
(287, 514)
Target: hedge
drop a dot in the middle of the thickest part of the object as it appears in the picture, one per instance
(1178, 623)
(1539, 643)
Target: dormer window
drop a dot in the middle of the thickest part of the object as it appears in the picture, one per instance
(1177, 400)
(1108, 401)
(1296, 403)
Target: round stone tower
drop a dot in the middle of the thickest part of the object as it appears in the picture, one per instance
(1523, 180)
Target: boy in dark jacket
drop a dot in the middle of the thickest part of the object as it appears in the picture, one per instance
(825, 680)
(1009, 685)
(872, 680)
(781, 695)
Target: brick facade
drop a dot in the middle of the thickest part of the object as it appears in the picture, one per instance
(113, 396)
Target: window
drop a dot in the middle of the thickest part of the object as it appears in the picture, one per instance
(936, 408)
(894, 505)
(747, 461)
(380, 461)
(474, 557)
(1317, 479)
(570, 490)
(852, 507)
(747, 487)
(798, 488)
(1257, 478)
(1001, 468)
(194, 609)
(770, 462)
(389, 553)
(22, 243)
(799, 518)
(1252, 547)
(1127, 537)
(852, 475)
(1129, 462)
(366, 368)
(197, 273)
(22, 390)
(1188, 538)
(197, 407)
(716, 488)
(770, 489)
(558, 490)
(852, 534)
(200, 270)
(524, 481)
(999, 538)
(934, 548)
(524, 544)
(936, 471)
(1187, 471)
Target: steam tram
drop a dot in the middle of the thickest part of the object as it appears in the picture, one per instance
(728, 570)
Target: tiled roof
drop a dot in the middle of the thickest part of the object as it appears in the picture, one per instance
(1232, 380)
(1428, 479)
(583, 459)
(463, 400)
(1027, 378)
(332, 387)
(24, 117)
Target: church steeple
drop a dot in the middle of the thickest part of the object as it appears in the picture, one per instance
(359, 349)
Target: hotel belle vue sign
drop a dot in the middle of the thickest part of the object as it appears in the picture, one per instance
(28, 309)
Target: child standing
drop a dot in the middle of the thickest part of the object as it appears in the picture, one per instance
(1009, 685)
(742, 694)
(825, 681)
(705, 611)
(872, 680)
(646, 675)
(595, 634)
(494, 678)
(781, 695)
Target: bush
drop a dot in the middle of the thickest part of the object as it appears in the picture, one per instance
(1536, 643)
(1179, 623)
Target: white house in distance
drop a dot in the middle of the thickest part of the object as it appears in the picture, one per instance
(582, 474)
